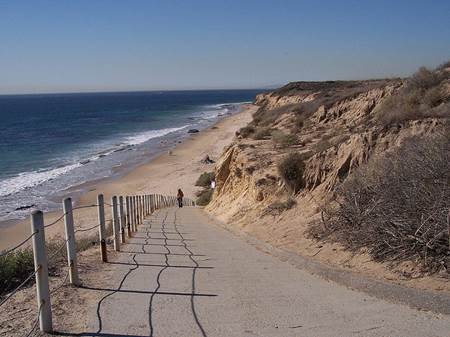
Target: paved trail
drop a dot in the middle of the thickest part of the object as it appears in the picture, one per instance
(183, 276)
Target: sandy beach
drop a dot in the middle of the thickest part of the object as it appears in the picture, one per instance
(164, 175)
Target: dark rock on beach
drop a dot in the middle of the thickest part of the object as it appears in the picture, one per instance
(193, 131)
(22, 208)
(207, 160)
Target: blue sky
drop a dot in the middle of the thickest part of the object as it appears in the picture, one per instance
(63, 46)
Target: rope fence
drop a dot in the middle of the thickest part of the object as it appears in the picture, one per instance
(127, 212)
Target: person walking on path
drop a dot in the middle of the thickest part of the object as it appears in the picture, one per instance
(180, 196)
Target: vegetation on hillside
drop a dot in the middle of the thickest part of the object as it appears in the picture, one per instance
(16, 266)
(204, 196)
(205, 179)
(425, 94)
(396, 206)
(291, 171)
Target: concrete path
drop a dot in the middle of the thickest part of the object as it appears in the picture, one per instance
(181, 275)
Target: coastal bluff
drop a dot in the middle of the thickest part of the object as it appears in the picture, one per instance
(335, 129)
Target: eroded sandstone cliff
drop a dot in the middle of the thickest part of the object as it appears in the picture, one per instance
(336, 130)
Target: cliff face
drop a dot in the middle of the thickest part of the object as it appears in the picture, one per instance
(336, 137)
(336, 131)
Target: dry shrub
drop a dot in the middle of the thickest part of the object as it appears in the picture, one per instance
(238, 172)
(279, 207)
(291, 171)
(321, 146)
(262, 133)
(250, 169)
(264, 117)
(246, 131)
(424, 79)
(421, 97)
(298, 123)
(396, 206)
(282, 139)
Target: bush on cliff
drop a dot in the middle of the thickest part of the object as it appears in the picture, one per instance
(279, 207)
(282, 139)
(423, 95)
(262, 133)
(204, 197)
(246, 131)
(205, 179)
(396, 206)
(291, 171)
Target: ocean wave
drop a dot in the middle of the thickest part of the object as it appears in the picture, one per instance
(147, 135)
(26, 180)
(212, 111)
(232, 104)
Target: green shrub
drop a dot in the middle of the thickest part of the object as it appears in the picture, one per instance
(291, 171)
(284, 140)
(15, 268)
(204, 197)
(205, 179)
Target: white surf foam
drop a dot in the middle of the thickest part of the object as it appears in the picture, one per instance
(31, 179)
(147, 135)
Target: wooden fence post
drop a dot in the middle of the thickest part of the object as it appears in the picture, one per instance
(133, 218)
(122, 220)
(127, 204)
(115, 218)
(131, 213)
(70, 241)
(141, 209)
(136, 219)
(102, 229)
(41, 268)
(145, 205)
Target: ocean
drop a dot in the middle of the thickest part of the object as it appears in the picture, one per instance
(52, 142)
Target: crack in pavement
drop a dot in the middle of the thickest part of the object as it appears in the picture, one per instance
(202, 330)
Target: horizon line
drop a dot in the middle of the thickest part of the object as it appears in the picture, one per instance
(131, 91)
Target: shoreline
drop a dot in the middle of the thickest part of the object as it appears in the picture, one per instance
(163, 173)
